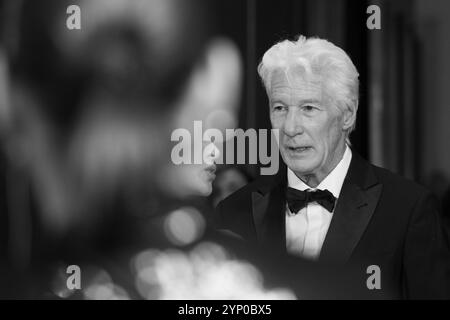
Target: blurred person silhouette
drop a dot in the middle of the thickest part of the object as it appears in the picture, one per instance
(88, 133)
(228, 180)
(89, 179)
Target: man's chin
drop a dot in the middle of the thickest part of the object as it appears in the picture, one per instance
(298, 165)
(303, 167)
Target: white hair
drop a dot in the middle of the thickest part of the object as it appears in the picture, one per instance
(316, 57)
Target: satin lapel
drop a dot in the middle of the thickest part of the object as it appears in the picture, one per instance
(356, 204)
(269, 215)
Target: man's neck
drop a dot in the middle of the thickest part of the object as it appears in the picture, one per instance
(314, 179)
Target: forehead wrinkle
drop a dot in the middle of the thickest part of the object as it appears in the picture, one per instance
(296, 91)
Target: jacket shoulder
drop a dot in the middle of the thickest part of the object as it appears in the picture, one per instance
(399, 183)
(244, 193)
(234, 213)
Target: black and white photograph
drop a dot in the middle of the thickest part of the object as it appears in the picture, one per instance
(239, 151)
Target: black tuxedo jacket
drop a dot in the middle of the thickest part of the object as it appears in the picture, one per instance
(380, 219)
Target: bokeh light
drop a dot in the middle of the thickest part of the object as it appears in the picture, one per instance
(205, 272)
(184, 226)
(102, 287)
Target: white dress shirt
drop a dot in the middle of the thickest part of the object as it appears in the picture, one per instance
(306, 230)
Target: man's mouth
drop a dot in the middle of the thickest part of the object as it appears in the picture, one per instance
(298, 149)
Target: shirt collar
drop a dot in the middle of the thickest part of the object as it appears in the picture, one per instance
(333, 181)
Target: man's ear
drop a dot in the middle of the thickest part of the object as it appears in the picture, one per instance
(213, 90)
(349, 116)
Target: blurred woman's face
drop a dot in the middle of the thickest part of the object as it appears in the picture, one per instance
(189, 179)
(211, 98)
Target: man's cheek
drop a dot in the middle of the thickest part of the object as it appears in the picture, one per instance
(276, 121)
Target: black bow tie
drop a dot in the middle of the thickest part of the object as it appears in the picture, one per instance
(297, 199)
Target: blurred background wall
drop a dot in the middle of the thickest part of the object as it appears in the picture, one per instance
(433, 26)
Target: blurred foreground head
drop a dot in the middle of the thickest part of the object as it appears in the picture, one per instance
(91, 111)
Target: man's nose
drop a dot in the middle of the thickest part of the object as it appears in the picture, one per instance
(293, 124)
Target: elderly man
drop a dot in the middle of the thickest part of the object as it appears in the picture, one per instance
(330, 205)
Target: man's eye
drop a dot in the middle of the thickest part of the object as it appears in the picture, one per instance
(309, 108)
(278, 107)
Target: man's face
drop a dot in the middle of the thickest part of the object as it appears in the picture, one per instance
(312, 139)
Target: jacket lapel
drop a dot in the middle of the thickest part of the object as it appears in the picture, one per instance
(356, 204)
(268, 205)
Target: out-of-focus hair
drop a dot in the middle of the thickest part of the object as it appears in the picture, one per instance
(315, 57)
(118, 49)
